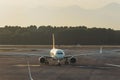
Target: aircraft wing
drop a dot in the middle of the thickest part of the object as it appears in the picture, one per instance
(114, 65)
(21, 54)
(77, 55)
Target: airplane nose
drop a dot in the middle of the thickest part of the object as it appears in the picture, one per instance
(59, 56)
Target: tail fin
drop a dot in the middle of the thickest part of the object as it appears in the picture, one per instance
(53, 41)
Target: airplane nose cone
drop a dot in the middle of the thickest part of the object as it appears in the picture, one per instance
(60, 55)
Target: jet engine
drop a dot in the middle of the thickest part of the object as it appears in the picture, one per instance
(42, 60)
(72, 60)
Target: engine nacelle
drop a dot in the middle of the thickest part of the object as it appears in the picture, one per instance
(42, 60)
(72, 60)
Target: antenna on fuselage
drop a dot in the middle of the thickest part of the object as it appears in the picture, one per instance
(53, 41)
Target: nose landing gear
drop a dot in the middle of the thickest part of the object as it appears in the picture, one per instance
(59, 64)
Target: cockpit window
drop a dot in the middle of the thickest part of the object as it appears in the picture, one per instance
(59, 53)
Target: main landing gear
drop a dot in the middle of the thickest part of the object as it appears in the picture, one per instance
(47, 62)
(66, 61)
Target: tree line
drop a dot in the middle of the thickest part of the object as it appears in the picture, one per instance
(64, 35)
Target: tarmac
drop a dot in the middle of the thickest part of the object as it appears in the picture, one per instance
(95, 66)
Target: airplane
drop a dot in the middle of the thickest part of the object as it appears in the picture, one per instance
(57, 54)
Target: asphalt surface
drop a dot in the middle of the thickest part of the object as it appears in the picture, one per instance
(94, 66)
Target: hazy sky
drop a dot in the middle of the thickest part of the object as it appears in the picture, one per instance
(34, 3)
(14, 12)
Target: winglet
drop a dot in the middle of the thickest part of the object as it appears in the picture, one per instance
(53, 41)
(101, 50)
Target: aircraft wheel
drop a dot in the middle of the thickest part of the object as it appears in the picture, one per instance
(59, 64)
(66, 62)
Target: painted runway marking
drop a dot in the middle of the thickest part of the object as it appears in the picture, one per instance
(24, 65)
(94, 67)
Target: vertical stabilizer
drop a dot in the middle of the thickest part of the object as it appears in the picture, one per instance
(53, 41)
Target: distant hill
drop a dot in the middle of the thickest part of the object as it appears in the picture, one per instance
(107, 16)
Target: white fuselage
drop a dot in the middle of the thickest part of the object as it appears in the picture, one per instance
(57, 54)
